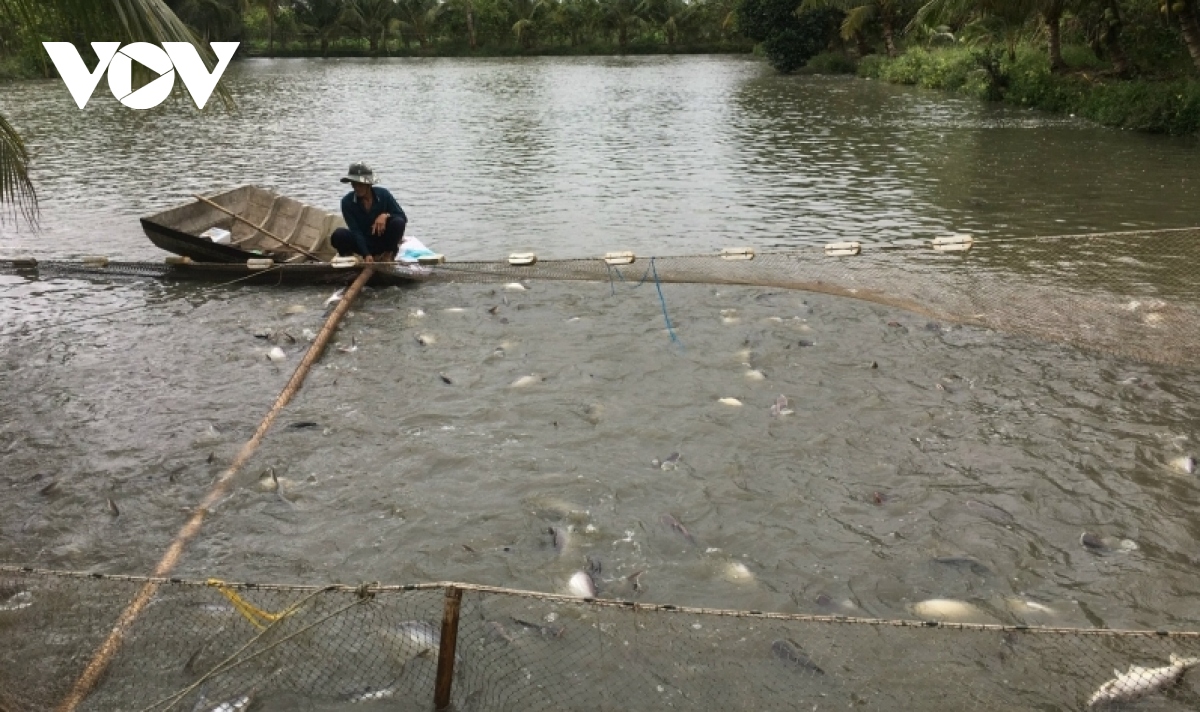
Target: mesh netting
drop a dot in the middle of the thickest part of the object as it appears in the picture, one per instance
(1132, 294)
(198, 646)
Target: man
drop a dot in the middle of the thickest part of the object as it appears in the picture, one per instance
(374, 220)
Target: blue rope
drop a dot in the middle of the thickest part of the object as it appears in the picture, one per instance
(662, 300)
(657, 284)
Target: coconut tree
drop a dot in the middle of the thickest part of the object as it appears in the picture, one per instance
(324, 18)
(372, 18)
(1188, 14)
(860, 13)
(82, 21)
(417, 16)
(623, 17)
(1006, 17)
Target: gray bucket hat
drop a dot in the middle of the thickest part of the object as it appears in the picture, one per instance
(359, 173)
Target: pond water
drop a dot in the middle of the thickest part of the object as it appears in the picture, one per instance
(966, 464)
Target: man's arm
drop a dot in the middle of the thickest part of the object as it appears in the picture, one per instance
(391, 207)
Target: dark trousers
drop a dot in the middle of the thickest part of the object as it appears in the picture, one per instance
(347, 243)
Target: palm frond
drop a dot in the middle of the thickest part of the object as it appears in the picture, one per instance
(857, 19)
(15, 187)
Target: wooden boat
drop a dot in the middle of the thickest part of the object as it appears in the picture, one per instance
(252, 225)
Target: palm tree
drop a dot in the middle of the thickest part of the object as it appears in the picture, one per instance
(324, 17)
(81, 21)
(209, 19)
(1189, 25)
(1008, 17)
(859, 13)
(373, 18)
(418, 15)
(624, 16)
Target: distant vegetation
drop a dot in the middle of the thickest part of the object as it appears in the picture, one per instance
(434, 27)
(1128, 63)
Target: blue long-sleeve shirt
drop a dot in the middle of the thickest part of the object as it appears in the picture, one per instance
(359, 219)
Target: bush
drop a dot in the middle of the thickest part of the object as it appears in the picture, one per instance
(831, 63)
(1146, 105)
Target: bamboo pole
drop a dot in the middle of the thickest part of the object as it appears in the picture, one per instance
(449, 641)
(108, 649)
(263, 230)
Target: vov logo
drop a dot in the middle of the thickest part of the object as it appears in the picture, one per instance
(166, 61)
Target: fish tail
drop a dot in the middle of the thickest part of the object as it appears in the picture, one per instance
(1184, 662)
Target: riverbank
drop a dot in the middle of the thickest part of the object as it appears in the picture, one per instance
(1169, 105)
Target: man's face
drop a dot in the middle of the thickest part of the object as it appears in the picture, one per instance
(362, 190)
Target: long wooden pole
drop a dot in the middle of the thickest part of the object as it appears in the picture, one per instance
(108, 649)
(261, 229)
(449, 642)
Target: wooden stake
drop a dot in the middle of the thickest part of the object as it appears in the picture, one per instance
(445, 670)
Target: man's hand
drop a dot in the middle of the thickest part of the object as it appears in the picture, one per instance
(380, 224)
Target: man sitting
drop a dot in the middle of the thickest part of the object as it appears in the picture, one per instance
(374, 220)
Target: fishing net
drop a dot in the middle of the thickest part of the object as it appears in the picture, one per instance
(198, 645)
(1132, 294)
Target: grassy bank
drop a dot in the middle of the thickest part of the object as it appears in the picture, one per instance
(1166, 105)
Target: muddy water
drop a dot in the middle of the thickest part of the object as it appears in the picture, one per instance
(958, 443)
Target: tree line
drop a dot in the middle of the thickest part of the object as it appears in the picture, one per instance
(383, 26)
(1134, 37)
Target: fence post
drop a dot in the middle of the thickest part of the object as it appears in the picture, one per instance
(449, 641)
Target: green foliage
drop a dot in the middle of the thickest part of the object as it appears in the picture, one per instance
(831, 63)
(789, 38)
(1171, 106)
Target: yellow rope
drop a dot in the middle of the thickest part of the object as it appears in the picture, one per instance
(248, 610)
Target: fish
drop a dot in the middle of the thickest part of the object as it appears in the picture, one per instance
(670, 462)
(416, 639)
(335, 297)
(426, 339)
(791, 654)
(1138, 682)
(990, 512)
(17, 601)
(550, 631)
(303, 424)
(560, 536)
(755, 375)
(729, 401)
(780, 407)
(524, 381)
(371, 695)
(276, 354)
(947, 609)
(497, 630)
(290, 339)
(295, 309)
(582, 585)
(515, 287)
(445, 379)
(1185, 464)
(494, 309)
(595, 567)
(351, 348)
(50, 488)
(738, 572)
(309, 335)
(237, 704)
(1093, 542)
(112, 508)
(964, 562)
(674, 524)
